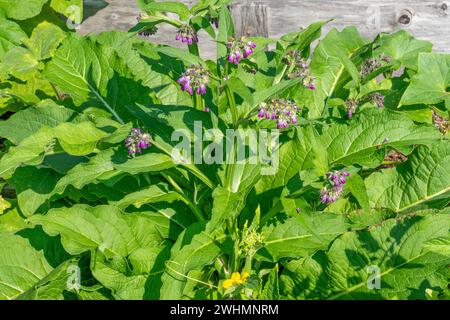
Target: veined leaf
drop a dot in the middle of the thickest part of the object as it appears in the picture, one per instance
(430, 84)
(359, 142)
(423, 178)
(332, 58)
(193, 250)
(15, 9)
(301, 236)
(402, 47)
(103, 228)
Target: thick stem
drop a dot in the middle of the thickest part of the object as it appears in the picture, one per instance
(232, 103)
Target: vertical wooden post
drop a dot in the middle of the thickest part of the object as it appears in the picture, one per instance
(250, 19)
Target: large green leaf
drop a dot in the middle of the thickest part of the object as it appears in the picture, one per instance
(44, 40)
(430, 85)
(331, 63)
(103, 228)
(402, 48)
(88, 71)
(348, 270)
(397, 249)
(15, 9)
(11, 35)
(361, 141)
(194, 249)
(25, 272)
(423, 178)
(27, 122)
(301, 236)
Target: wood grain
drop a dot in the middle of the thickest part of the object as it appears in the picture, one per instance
(428, 20)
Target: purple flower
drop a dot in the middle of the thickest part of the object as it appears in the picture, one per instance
(239, 49)
(334, 186)
(378, 100)
(300, 69)
(282, 111)
(195, 79)
(137, 141)
(187, 35)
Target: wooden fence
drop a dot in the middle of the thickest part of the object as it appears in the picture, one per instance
(428, 20)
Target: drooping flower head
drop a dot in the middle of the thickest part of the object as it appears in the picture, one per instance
(195, 79)
(187, 35)
(282, 111)
(334, 186)
(443, 124)
(377, 99)
(299, 69)
(137, 141)
(239, 49)
(373, 64)
(351, 104)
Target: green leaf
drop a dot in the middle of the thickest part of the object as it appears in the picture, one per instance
(397, 249)
(11, 35)
(72, 9)
(356, 186)
(362, 140)
(271, 290)
(167, 6)
(152, 194)
(15, 9)
(20, 63)
(21, 266)
(44, 40)
(103, 228)
(193, 250)
(29, 121)
(301, 236)
(417, 182)
(402, 47)
(331, 62)
(78, 139)
(226, 30)
(151, 162)
(430, 84)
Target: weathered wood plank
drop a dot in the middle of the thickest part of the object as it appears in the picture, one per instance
(428, 20)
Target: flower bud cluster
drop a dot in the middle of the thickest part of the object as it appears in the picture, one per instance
(195, 79)
(187, 35)
(137, 141)
(334, 187)
(282, 111)
(299, 68)
(239, 49)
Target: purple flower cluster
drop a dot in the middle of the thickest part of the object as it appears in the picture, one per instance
(137, 140)
(195, 79)
(373, 64)
(187, 35)
(299, 68)
(351, 104)
(282, 111)
(239, 49)
(377, 99)
(335, 182)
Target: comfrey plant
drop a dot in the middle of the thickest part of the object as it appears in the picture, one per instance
(239, 49)
(187, 35)
(137, 141)
(195, 79)
(282, 111)
(318, 171)
(334, 187)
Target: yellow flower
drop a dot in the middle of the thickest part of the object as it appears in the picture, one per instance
(236, 279)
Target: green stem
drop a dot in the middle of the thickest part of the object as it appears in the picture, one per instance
(232, 103)
(192, 168)
(198, 214)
